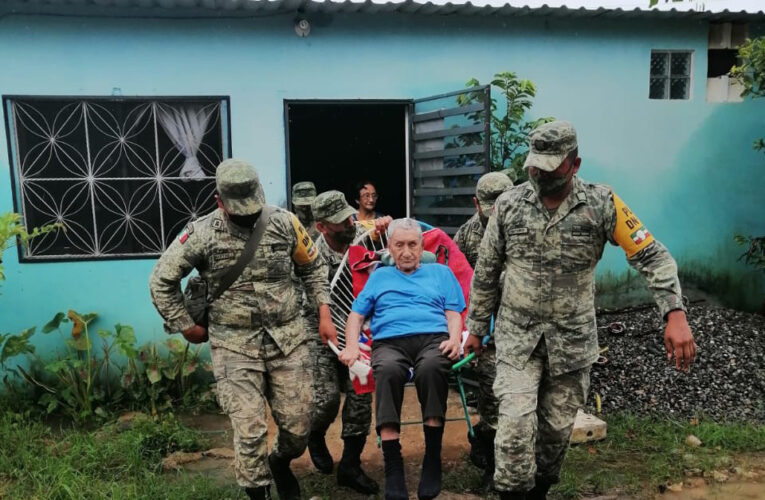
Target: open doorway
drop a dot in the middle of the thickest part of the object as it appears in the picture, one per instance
(336, 144)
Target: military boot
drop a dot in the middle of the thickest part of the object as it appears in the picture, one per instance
(259, 493)
(539, 491)
(287, 485)
(349, 472)
(512, 495)
(477, 453)
(320, 456)
(487, 479)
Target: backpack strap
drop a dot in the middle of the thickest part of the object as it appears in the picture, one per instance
(249, 251)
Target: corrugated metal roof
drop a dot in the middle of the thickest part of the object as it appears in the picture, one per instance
(253, 8)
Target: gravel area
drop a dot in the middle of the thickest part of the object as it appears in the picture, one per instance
(727, 382)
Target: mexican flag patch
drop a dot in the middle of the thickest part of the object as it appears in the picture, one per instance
(185, 234)
(640, 235)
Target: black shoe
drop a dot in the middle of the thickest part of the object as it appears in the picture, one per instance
(487, 480)
(354, 477)
(320, 456)
(539, 491)
(349, 472)
(259, 493)
(287, 485)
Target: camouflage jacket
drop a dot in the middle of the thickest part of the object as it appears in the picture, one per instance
(549, 286)
(263, 299)
(468, 238)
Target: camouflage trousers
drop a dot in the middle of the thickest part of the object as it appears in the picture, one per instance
(536, 418)
(486, 371)
(330, 378)
(245, 385)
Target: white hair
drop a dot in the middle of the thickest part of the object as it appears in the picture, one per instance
(406, 224)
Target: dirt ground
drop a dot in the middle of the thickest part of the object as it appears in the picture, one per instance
(455, 447)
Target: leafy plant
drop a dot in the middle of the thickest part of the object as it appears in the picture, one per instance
(509, 128)
(85, 380)
(12, 232)
(751, 74)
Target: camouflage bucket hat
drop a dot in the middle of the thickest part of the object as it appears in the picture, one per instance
(239, 187)
(489, 187)
(549, 144)
(303, 193)
(330, 206)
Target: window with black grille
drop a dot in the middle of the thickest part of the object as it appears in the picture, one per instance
(123, 175)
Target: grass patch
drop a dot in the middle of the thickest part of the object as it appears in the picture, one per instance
(36, 462)
(640, 454)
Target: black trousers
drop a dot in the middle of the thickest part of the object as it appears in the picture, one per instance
(391, 362)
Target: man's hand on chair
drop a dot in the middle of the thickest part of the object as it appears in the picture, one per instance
(473, 344)
(450, 348)
(349, 355)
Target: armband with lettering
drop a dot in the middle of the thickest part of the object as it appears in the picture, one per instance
(305, 250)
(629, 232)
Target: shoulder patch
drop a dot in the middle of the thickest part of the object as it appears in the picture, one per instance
(629, 232)
(217, 224)
(188, 231)
(305, 250)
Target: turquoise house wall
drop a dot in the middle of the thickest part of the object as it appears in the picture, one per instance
(685, 167)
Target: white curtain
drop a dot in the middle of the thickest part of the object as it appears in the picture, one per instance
(186, 125)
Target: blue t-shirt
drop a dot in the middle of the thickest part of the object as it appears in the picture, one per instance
(408, 304)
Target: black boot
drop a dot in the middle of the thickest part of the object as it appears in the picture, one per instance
(430, 480)
(317, 449)
(395, 482)
(487, 480)
(259, 493)
(512, 495)
(349, 472)
(539, 491)
(477, 453)
(286, 483)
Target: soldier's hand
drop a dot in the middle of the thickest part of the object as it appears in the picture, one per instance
(678, 340)
(327, 332)
(473, 344)
(196, 334)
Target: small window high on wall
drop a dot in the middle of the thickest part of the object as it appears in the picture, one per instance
(670, 74)
(123, 175)
(724, 41)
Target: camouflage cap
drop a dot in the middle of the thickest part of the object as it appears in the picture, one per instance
(331, 206)
(489, 187)
(303, 193)
(549, 144)
(239, 187)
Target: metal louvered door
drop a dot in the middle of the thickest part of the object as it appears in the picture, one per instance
(448, 151)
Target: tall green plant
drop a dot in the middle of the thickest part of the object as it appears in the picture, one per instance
(12, 233)
(509, 126)
(751, 74)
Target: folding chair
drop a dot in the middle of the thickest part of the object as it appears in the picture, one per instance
(342, 296)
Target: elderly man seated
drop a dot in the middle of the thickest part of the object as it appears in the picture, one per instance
(416, 323)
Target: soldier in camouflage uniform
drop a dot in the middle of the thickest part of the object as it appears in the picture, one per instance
(303, 194)
(548, 234)
(468, 239)
(337, 232)
(256, 332)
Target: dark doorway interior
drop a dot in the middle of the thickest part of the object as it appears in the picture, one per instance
(336, 144)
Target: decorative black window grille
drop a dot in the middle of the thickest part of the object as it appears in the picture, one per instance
(670, 75)
(124, 175)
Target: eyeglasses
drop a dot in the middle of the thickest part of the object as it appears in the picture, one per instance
(369, 196)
